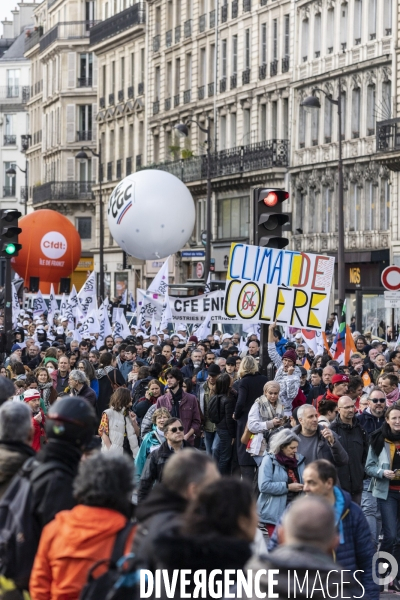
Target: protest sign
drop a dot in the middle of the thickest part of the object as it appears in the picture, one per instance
(266, 285)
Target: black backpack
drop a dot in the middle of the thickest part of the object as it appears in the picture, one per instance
(120, 581)
(139, 392)
(214, 409)
(19, 530)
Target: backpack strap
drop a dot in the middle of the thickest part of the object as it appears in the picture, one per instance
(45, 468)
(120, 542)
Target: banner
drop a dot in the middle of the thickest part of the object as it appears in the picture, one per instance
(193, 309)
(87, 294)
(266, 285)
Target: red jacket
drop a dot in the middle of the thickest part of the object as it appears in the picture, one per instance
(189, 412)
(38, 432)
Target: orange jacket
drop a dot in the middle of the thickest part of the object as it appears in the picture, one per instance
(69, 546)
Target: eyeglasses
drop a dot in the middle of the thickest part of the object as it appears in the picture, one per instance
(376, 400)
(175, 429)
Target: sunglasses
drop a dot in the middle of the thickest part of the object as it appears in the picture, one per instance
(380, 400)
(175, 429)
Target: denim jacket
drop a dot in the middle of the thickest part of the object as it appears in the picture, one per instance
(374, 467)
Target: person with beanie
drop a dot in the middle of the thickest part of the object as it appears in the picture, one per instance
(32, 399)
(336, 389)
(288, 374)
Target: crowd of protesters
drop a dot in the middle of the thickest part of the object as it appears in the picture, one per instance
(181, 450)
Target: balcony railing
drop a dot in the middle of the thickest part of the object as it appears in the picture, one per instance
(176, 100)
(102, 102)
(156, 107)
(224, 13)
(273, 68)
(211, 89)
(131, 16)
(119, 168)
(202, 23)
(8, 191)
(242, 159)
(246, 5)
(70, 30)
(222, 85)
(128, 166)
(111, 99)
(167, 104)
(201, 92)
(187, 28)
(14, 94)
(84, 136)
(285, 64)
(140, 89)
(233, 81)
(9, 140)
(156, 43)
(235, 8)
(262, 71)
(109, 171)
(388, 135)
(32, 38)
(120, 95)
(168, 38)
(186, 96)
(62, 190)
(177, 34)
(212, 18)
(85, 81)
(130, 92)
(138, 161)
(263, 2)
(246, 76)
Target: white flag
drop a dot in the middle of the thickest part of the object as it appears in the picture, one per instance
(53, 301)
(124, 298)
(39, 305)
(205, 327)
(166, 315)
(207, 287)
(153, 330)
(335, 327)
(159, 285)
(15, 305)
(104, 325)
(90, 325)
(121, 326)
(63, 304)
(87, 294)
(133, 303)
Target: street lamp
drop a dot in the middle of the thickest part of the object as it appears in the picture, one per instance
(82, 155)
(312, 103)
(11, 172)
(183, 131)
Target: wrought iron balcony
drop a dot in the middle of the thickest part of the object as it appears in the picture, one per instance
(128, 166)
(168, 38)
(344, 46)
(211, 89)
(273, 68)
(222, 85)
(224, 13)
(186, 96)
(8, 191)
(130, 92)
(138, 161)
(202, 23)
(85, 81)
(156, 43)
(68, 30)
(187, 28)
(330, 50)
(111, 99)
(388, 31)
(156, 107)
(246, 76)
(388, 135)
(262, 71)
(242, 159)
(84, 136)
(285, 64)
(9, 140)
(102, 102)
(119, 168)
(263, 2)
(167, 104)
(62, 190)
(131, 16)
(357, 41)
(177, 34)
(176, 100)
(120, 95)
(212, 18)
(233, 81)
(246, 5)
(201, 92)
(14, 94)
(109, 171)
(235, 8)
(32, 38)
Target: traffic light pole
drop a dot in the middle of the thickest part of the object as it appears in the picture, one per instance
(8, 307)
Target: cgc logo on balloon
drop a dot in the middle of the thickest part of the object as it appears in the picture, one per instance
(120, 198)
(53, 245)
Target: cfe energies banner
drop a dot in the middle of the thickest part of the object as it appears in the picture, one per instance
(266, 285)
(193, 309)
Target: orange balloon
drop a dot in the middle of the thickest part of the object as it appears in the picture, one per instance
(51, 248)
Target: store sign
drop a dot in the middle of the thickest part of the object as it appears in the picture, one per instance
(355, 275)
(193, 254)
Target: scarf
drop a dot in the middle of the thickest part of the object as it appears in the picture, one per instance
(287, 462)
(267, 410)
(44, 389)
(103, 372)
(175, 401)
(378, 437)
(392, 397)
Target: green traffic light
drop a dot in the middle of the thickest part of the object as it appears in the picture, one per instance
(10, 249)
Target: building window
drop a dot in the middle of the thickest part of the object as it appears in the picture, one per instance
(224, 57)
(13, 83)
(317, 35)
(387, 99)
(233, 217)
(86, 69)
(385, 205)
(370, 206)
(344, 107)
(357, 21)
(263, 122)
(302, 127)
(247, 49)
(246, 127)
(275, 39)
(85, 121)
(355, 113)
(287, 36)
(326, 209)
(354, 207)
(9, 182)
(372, 19)
(371, 109)
(222, 132)
(314, 127)
(387, 17)
(274, 120)
(327, 121)
(201, 214)
(263, 43)
(343, 26)
(330, 24)
(84, 227)
(234, 54)
(233, 130)
(304, 39)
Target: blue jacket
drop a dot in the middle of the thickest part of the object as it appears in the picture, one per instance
(125, 368)
(150, 440)
(272, 482)
(280, 346)
(356, 551)
(370, 423)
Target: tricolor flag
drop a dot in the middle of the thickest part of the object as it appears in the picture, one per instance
(339, 344)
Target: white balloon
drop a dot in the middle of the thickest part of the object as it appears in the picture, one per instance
(151, 214)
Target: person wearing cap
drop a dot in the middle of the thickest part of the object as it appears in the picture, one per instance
(304, 383)
(32, 399)
(280, 341)
(337, 388)
(206, 392)
(231, 367)
(354, 440)
(288, 374)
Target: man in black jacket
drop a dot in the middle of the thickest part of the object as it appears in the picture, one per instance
(355, 441)
(154, 466)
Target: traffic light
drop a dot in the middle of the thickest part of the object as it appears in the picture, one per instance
(269, 218)
(9, 232)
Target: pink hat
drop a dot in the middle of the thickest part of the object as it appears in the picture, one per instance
(291, 355)
(340, 379)
(31, 394)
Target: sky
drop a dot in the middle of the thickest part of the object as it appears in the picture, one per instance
(6, 6)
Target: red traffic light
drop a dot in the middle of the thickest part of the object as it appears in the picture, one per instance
(271, 199)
